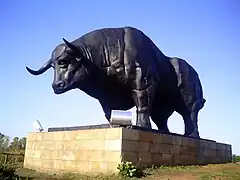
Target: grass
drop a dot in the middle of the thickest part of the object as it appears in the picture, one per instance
(229, 171)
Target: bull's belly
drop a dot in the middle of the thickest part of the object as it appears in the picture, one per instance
(122, 104)
(119, 99)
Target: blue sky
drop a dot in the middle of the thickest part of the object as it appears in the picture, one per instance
(205, 33)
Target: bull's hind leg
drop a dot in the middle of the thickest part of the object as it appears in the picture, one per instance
(185, 112)
(160, 118)
(190, 117)
(194, 110)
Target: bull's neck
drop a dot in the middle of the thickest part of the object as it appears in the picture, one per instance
(94, 87)
(86, 51)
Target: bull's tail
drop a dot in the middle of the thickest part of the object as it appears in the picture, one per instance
(203, 101)
(199, 93)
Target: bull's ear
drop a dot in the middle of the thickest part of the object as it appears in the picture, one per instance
(73, 48)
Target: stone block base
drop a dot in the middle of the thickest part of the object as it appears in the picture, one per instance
(101, 150)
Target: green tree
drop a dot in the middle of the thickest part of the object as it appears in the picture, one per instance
(4, 142)
(18, 144)
(14, 144)
(22, 143)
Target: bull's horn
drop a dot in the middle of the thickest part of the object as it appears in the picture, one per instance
(44, 68)
(72, 47)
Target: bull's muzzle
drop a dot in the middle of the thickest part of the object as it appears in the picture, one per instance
(58, 87)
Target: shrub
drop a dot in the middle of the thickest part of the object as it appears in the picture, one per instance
(7, 172)
(237, 158)
(127, 169)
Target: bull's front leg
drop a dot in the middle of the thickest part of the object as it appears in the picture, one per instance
(140, 98)
(107, 111)
(143, 96)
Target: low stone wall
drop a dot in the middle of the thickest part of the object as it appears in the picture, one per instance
(161, 149)
(100, 150)
(85, 150)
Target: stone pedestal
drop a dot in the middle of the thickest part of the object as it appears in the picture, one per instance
(101, 149)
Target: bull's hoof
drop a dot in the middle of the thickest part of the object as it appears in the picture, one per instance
(143, 121)
(144, 125)
(193, 135)
(164, 130)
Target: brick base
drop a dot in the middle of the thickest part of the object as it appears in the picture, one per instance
(101, 150)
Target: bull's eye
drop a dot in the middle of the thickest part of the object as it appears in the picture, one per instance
(63, 63)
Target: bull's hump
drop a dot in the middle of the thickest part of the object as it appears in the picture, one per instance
(105, 44)
(110, 32)
(108, 44)
(111, 29)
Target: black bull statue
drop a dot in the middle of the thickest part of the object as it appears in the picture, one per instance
(123, 68)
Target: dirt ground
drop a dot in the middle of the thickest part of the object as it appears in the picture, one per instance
(229, 171)
(210, 172)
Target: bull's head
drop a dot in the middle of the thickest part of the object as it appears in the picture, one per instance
(69, 64)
